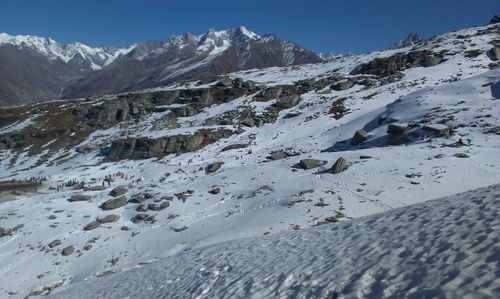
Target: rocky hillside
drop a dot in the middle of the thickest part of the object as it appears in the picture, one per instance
(37, 69)
(101, 185)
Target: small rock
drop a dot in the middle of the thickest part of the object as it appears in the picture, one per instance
(92, 225)
(141, 208)
(310, 163)
(461, 155)
(278, 155)
(363, 157)
(68, 250)
(87, 247)
(108, 218)
(233, 146)
(79, 197)
(179, 229)
(215, 190)
(120, 190)
(137, 198)
(54, 243)
(214, 166)
(158, 207)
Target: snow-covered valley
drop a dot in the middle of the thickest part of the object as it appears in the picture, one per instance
(261, 212)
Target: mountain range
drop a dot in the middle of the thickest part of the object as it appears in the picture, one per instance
(38, 69)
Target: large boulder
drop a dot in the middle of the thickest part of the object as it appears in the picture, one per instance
(114, 203)
(120, 190)
(340, 165)
(310, 163)
(360, 136)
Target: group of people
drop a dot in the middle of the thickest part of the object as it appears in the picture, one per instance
(36, 180)
(75, 184)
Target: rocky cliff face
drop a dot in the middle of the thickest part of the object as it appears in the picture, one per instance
(399, 62)
(144, 148)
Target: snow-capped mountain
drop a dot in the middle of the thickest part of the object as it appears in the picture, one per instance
(187, 57)
(97, 58)
(212, 42)
(76, 70)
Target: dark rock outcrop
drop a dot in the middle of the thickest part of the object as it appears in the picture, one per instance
(144, 148)
(398, 62)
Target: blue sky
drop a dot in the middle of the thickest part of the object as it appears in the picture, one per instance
(338, 26)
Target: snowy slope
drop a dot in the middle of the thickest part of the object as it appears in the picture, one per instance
(445, 248)
(258, 196)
